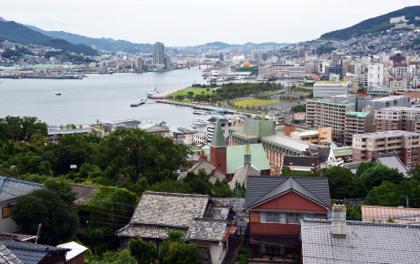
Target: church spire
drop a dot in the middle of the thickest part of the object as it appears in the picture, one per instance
(218, 139)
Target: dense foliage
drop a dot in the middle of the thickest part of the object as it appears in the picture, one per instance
(58, 217)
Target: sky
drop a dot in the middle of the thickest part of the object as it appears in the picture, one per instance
(191, 22)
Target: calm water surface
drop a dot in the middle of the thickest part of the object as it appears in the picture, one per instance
(98, 97)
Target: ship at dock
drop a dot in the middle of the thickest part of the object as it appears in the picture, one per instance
(141, 102)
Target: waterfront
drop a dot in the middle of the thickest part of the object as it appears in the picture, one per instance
(98, 97)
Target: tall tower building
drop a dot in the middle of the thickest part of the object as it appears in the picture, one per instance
(218, 149)
(158, 53)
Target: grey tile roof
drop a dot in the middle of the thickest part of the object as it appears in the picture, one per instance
(241, 175)
(169, 209)
(11, 188)
(161, 211)
(392, 162)
(300, 161)
(207, 230)
(262, 188)
(30, 253)
(157, 213)
(7, 257)
(364, 243)
(237, 205)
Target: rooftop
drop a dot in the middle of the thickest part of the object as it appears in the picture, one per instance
(390, 133)
(7, 257)
(263, 188)
(30, 253)
(288, 143)
(11, 188)
(373, 213)
(235, 157)
(332, 102)
(357, 114)
(388, 98)
(207, 230)
(363, 243)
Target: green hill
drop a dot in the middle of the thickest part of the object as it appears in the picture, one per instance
(19, 33)
(373, 25)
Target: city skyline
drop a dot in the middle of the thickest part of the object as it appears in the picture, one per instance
(184, 23)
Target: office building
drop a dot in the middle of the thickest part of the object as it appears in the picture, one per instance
(404, 144)
(323, 89)
(159, 53)
(357, 123)
(375, 74)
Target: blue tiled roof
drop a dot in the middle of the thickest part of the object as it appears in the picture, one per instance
(30, 253)
(11, 188)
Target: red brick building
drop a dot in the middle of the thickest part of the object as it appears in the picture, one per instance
(276, 205)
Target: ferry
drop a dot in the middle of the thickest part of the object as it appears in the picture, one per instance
(199, 122)
(142, 102)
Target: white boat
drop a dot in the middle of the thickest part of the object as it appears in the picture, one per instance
(199, 122)
(152, 92)
(201, 112)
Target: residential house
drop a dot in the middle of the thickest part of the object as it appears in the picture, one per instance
(10, 190)
(348, 242)
(202, 220)
(29, 253)
(308, 164)
(276, 204)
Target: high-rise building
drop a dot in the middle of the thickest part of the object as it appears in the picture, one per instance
(404, 144)
(376, 75)
(139, 64)
(357, 123)
(159, 53)
(398, 118)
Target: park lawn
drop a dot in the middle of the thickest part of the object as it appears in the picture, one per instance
(243, 103)
(196, 91)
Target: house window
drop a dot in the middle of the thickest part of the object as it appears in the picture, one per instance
(272, 217)
(5, 211)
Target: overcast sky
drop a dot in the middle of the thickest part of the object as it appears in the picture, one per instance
(188, 22)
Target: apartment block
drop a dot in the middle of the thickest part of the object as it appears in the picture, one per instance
(398, 118)
(357, 123)
(328, 113)
(404, 144)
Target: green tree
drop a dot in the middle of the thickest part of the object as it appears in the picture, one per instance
(115, 257)
(343, 183)
(375, 175)
(58, 218)
(17, 128)
(144, 252)
(386, 194)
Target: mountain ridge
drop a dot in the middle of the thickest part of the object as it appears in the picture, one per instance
(372, 25)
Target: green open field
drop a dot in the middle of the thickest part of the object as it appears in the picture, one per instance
(243, 103)
(195, 91)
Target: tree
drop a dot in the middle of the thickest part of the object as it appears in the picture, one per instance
(176, 251)
(144, 252)
(59, 218)
(375, 175)
(386, 194)
(343, 183)
(17, 128)
(115, 257)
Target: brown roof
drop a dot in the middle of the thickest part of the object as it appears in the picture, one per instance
(395, 214)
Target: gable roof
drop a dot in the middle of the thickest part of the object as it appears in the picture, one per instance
(235, 157)
(392, 162)
(241, 175)
(11, 188)
(207, 230)
(364, 243)
(30, 253)
(262, 188)
(7, 257)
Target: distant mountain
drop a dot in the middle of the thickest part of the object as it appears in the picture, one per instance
(373, 25)
(219, 46)
(19, 33)
(105, 44)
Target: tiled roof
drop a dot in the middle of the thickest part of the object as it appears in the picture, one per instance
(392, 162)
(157, 213)
(363, 243)
(11, 188)
(207, 230)
(241, 175)
(7, 257)
(371, 213)
(169, 209)
(237, 205)
(263, 188)
(30, 253)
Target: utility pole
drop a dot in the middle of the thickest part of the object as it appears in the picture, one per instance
(38, 232)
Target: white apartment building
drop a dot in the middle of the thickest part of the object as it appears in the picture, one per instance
(324, 89)
(375, 74)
